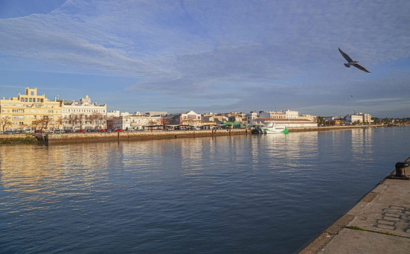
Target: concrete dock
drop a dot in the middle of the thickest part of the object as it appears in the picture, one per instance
(378, 223)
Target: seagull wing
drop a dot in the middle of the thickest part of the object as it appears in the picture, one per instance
(358, 66)
(348, 59)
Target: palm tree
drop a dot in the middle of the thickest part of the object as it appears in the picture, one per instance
(321, 120)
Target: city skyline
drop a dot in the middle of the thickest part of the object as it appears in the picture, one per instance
(210, 56)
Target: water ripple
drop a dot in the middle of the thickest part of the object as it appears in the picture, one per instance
(245, 194)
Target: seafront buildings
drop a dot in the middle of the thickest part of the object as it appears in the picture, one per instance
(31, 111)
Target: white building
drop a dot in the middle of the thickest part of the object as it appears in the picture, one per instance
(284, 114)
(83, 114)
(291, 114)
(135, 122)
(190, 118)
(251, 117)
(358, 117)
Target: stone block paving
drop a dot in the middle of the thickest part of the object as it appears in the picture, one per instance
(379, 223)
(394, 217)
(389, 212)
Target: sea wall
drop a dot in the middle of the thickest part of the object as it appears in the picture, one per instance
(17, 139)
(136, 135)
(66, 138)
(377, 223)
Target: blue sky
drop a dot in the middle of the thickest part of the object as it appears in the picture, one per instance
(210, 55)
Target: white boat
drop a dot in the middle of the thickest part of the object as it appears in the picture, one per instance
(270, 128)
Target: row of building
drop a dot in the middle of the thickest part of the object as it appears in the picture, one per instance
(31, 111)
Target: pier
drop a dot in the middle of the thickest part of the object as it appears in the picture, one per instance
(378, 223)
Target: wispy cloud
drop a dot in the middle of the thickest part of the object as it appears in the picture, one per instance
(237, 49)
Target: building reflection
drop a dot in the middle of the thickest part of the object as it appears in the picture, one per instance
(292, 148)
(81, 166)
(362, 144)
(38, 168)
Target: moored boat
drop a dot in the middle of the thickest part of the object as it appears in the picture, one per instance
(271, 127)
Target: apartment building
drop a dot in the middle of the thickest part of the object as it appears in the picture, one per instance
(83, 114)
(30, 111)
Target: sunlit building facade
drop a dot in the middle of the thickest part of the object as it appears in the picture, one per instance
(29, 112)
(83, 114)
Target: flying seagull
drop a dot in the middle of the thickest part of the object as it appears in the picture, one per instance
(351, 62)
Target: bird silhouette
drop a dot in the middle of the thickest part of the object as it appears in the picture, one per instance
(351, 62)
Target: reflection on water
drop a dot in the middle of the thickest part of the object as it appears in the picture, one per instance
(203, 195)
(361, 143)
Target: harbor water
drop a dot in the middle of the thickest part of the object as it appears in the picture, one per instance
(240, 194)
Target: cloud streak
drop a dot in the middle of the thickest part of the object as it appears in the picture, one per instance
(279, 51)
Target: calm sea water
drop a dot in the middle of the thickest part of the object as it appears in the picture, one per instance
(242, 194)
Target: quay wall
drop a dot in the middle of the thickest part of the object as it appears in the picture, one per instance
(65, 138)
(17, 139)
(142, 135)
(377, 223)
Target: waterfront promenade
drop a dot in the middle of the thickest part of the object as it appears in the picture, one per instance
(378, 223)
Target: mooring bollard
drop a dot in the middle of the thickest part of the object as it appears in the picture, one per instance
(401, 169)
(400, 172)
